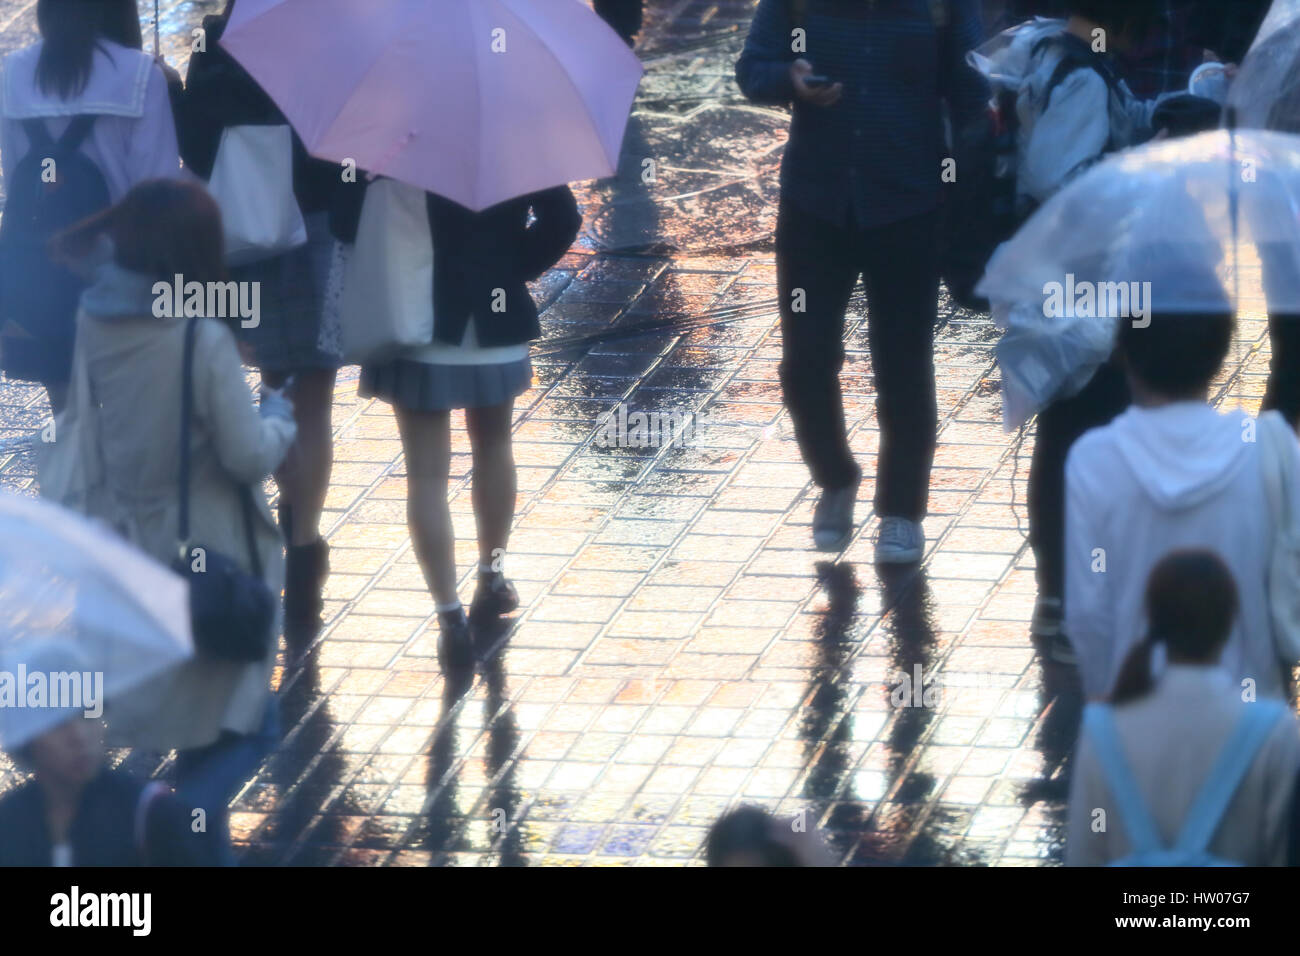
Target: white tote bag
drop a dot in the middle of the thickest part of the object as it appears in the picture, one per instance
(252, 182)
(1277, 453)
(388, 285)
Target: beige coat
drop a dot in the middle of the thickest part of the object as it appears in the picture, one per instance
(1171, 738)
(134, 367)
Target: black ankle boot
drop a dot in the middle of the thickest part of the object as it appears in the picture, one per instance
(493, 597)
(305, 569)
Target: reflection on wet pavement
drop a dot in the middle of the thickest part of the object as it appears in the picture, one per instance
(681, 649)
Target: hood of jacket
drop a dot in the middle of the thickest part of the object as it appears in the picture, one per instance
(115, 292)
(1184, 453)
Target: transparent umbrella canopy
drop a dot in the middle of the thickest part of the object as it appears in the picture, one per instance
(1170, 214)
(1266, 92)
(1171, 227)
(74, 597)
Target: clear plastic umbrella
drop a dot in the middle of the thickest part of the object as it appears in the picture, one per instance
(1266, 92)
(84, 617)
(1173, 226)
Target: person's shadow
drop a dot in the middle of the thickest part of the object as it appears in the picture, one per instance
(503, 739)
(1061, 702)
(908, 620)
(444, 829)
(826, 729)
(307, 782)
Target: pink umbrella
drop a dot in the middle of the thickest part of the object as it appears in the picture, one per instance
(479, 101)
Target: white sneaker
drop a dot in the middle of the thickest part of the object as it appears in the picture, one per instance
(899, 541)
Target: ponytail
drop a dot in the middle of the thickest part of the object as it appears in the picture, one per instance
(1135, 680)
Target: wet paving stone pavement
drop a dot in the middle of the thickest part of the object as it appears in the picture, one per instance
(681, 648)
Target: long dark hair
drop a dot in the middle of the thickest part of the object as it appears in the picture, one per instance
(121, 23)
(1191, 602)
(71, 30)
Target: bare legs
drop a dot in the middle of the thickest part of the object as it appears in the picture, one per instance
(495, 484)
(426, 442)
(304, 478)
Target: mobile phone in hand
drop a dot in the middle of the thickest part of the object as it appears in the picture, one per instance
(818, 82)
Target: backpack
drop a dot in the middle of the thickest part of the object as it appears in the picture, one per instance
(38, 295)
(1191, 848)
(982, 209)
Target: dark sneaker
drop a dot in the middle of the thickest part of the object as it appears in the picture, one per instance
(833, 517)
(899, 541)
(494, 596)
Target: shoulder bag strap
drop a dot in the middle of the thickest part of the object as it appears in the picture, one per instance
(1270, 429)
(187, 416)
(1273, 436)
(187, 412)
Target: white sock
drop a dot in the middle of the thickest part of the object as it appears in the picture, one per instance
(449, 606)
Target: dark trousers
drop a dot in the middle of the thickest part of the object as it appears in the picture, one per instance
(1283, 391)
(1060, 425)
(897, 263)
(623, 15)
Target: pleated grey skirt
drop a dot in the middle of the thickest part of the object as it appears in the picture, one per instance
(425, 387)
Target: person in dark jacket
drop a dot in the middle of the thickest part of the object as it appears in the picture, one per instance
(623, 15)
(77, 812)
(286, 344)
(1227, 29)
(860, 189)
(483, 321)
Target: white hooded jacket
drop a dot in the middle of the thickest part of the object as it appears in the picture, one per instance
(1153, 481)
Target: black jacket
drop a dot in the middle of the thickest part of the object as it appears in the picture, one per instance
(477, 253)
(103, 832)
(220, 93)
(1227, 29)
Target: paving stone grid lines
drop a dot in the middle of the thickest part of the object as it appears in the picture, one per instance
(681, 648)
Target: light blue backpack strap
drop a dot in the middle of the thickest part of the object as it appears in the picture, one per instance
(1229, 770)
(1099, 725)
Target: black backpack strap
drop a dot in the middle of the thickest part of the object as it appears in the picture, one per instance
(76, 132)
(37, 134)
(1076, 55)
